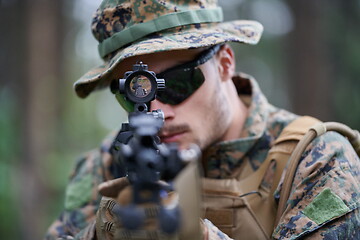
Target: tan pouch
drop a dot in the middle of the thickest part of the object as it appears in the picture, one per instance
(231, 213)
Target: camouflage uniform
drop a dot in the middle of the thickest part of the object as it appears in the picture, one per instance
(324, 203)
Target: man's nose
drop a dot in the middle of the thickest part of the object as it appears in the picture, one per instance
(166, 108)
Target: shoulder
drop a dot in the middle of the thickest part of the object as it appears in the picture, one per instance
(82, 197)
(90, 170)
(328, 153)
(326, 187)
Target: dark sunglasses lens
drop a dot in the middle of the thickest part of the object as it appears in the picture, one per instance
(180, 84)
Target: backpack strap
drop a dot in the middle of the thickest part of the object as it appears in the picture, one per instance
(285, 144)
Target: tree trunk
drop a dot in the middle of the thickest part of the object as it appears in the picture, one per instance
(38, 91)
(310, 70)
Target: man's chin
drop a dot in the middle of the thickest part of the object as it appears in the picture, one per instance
(181, 143)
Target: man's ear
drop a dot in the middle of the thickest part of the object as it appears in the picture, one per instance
(226, 62)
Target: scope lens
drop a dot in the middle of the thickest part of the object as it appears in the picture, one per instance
(140, 86)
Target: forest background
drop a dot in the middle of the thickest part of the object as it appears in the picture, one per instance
(308, 61)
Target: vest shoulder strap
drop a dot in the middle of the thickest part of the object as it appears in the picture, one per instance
(266, 211)
(286, 142)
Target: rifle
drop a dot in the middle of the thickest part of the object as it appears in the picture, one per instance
(138, 150)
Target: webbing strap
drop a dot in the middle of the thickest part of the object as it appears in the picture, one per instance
(293, 133)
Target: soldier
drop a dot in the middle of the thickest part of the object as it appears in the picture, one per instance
(222, 111)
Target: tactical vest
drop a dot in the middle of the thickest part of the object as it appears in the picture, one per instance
(240, 206)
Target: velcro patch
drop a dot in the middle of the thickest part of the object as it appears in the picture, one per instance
(78, 193)
(326, 206)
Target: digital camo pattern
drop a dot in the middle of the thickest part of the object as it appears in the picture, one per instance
(213, 233)
(329, 163)
(115, 16)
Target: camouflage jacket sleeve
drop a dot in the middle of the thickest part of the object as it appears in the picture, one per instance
(81, 199)
(325, 196)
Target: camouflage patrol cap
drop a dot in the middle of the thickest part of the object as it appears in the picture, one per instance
(126, 28)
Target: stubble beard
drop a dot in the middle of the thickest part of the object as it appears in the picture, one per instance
(219, 119)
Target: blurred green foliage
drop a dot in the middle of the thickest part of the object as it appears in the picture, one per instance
(9, 132)
(344, 34)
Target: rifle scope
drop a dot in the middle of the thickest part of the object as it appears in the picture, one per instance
(140, 85)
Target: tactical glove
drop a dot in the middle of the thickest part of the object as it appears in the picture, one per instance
(119, 218)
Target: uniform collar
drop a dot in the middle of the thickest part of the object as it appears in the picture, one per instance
(221, 158)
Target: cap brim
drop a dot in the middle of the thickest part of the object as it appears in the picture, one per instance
(242, 31)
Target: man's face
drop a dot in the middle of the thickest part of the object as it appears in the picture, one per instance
(204, 117)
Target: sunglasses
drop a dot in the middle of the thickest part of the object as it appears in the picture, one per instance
(180, 81)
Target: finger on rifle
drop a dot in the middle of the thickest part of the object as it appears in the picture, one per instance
(112, 188)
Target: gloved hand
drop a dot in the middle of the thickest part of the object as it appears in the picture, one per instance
(118, 196)
(118, 218)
